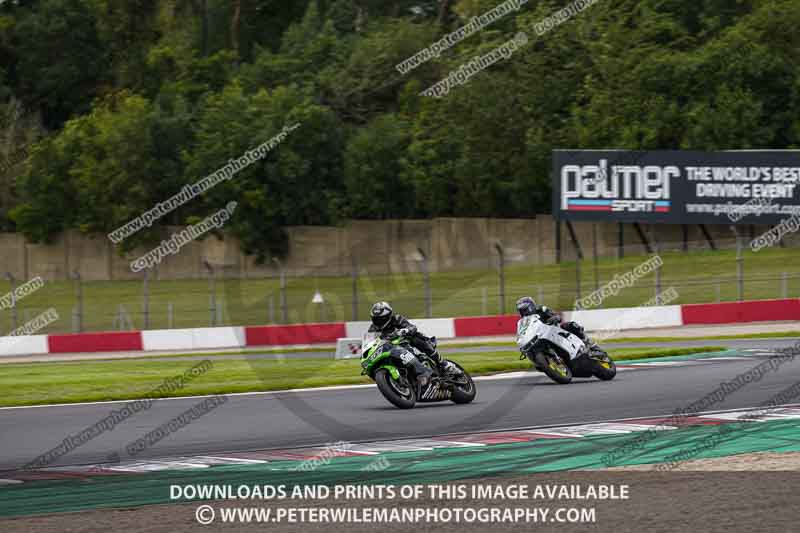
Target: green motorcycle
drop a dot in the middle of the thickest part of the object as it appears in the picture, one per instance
(394, 365)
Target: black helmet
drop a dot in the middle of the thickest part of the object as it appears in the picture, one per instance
(526, 306)
(381, 314)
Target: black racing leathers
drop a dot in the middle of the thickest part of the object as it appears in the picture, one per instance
(547, 315)
(415, 338)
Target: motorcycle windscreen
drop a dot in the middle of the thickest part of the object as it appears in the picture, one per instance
(367, 342)
(527, 329)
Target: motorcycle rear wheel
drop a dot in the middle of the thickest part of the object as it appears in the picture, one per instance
(463, 393)
(400, 392)
(605, 370)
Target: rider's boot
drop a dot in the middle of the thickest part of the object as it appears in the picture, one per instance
(590, 345)
(424, 373)
(441, 363)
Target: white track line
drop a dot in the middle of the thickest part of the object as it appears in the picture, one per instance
(236, 459)
(495, 377)
(510, 375)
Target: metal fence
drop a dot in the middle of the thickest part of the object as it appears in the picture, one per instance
(729, 273)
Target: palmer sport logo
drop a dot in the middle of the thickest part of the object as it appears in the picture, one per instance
(619, 188)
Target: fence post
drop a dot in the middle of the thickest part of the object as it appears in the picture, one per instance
(11, 280)
(740, 266)
(577, 278)
(122, 321)
(146, 296)
(595, 258)
(212, 288)
(427, 282)
(284, 303)
(284, 308)
(658, 271)
(75, 319)
(354, 280)
(170, 322)
(271, 310)
(76, 276)
(502, 280)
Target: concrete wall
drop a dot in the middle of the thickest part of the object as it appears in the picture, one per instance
(375, 247)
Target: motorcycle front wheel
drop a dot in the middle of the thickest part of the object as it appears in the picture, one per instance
(399, 392)
(555, 368)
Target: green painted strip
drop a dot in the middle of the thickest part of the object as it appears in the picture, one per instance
(443, 464)
(688, 357)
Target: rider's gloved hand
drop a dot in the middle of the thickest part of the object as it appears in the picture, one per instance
(400, 333)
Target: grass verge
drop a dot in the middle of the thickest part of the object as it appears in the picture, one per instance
(67, 382)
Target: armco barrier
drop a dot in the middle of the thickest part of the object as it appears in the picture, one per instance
(732, 312)
(23, 345)
(622, 318)
(193, 339)
(115, 341)
(480, 326)
(433, 327)
(278, 335)
(293, 334)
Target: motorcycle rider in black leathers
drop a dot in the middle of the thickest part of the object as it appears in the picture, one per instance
(526, 306)
(390, 325)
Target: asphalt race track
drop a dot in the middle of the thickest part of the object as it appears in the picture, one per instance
(257, 421)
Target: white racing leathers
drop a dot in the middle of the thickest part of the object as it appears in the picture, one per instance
(531, 329)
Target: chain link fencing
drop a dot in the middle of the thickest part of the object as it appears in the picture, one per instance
(699, 274)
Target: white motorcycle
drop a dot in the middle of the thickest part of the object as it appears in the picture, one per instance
(561, 354)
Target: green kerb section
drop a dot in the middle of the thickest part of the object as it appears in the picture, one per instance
(439, 465)
(687, 357)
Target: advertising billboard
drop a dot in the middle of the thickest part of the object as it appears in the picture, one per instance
(676, 187)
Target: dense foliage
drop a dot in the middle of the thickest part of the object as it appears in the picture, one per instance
(116, 105)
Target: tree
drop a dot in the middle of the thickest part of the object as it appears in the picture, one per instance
(297, 183)
(49, 72)
(126, 148)
(374, 170)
